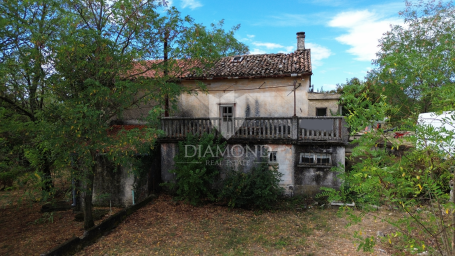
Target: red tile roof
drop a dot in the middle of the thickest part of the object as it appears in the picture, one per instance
(251, 66)
(259, 65)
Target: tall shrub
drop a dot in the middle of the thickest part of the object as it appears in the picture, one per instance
(194, 178)
(258, 188)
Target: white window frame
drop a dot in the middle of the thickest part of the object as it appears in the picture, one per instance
(315, 157)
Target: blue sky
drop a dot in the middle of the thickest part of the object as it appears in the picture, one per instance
(342, 35)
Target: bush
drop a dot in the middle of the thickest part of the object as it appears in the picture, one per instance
(258, 188)
(194, 179)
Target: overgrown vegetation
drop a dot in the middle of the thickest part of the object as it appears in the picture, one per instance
(194, 178)
(68, 68)
(410, 174)
(197, 176)
(257, 188)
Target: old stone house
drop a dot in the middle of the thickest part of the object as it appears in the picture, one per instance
(261, 101)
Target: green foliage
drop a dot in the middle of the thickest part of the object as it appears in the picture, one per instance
(415, 74)
(197, 177)
(366, 243)
(46, 217)
(194, 178)
(415, 64)
(28, 29)
(71, 67)
(258, 188)
(360, 100)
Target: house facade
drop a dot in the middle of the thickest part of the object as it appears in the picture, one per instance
(262, 106)
(263, 101)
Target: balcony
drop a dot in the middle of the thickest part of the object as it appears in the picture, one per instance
(268, 129)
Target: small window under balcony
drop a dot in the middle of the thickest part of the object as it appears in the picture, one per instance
(321, 111)
(315, 159)
(307, 158)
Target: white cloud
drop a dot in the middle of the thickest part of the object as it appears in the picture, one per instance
(250, 36)
(364, 29)
(288, 49)
(257, 51)
(192, 4)
(268, 45)
(318, 53)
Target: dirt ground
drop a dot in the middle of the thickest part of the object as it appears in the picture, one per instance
(165, 227)
(24, 230)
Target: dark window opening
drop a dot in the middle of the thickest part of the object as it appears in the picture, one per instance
(321, 111)
(237, 59)
(227, 113)
(272, 157)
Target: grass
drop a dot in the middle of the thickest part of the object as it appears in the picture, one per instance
(166, 228)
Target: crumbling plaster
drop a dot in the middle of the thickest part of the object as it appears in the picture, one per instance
(274, 99)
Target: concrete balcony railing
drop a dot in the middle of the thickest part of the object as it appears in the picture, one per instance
(259, 128)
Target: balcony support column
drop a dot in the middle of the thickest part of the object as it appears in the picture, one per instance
(295, 128)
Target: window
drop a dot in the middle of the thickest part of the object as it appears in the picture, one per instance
(272, 157)
(237, 59)
(321, 111)
(315, 158)
(322, 159)
(227, 112)
(307, 158)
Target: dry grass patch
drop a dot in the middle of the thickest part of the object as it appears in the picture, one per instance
(169, 228)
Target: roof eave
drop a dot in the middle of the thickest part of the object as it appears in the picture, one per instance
(248, 77)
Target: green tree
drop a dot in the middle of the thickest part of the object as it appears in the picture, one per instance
(414, 74)
(101, 66)
(355, 95)
(27, 30)
(416, 61)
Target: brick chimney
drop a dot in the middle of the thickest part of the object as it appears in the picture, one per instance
(300, 41)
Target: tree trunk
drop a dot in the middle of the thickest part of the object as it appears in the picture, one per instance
(77, 200)
(48, 185)
(87, 189)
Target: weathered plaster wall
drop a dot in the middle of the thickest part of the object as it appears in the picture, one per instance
(168, 152)
(240, 158)
(285, 159)
(309, 178)
(112, 184)
(323, 100)
(115, 184)
(274, 99)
